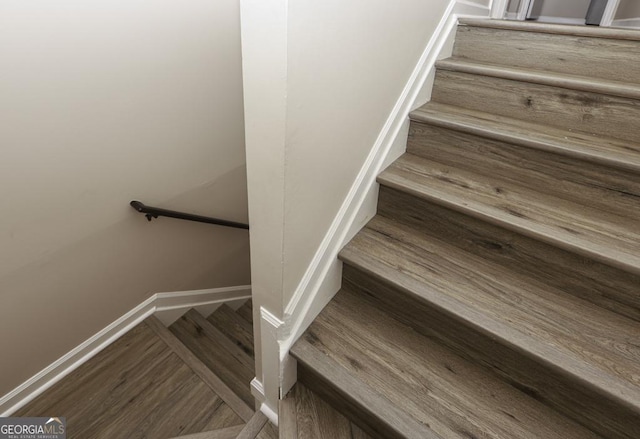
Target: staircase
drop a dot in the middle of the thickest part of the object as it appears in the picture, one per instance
(496, 293)
(188, 381)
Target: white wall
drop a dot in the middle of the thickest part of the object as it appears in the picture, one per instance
(320, 79)
(628, 9)
(347, 65)
(102, 102)
(563, 8)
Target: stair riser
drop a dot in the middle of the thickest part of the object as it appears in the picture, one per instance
(539, 380)
(575, 55)
(598, 283)
(597, 186)
(593, 113)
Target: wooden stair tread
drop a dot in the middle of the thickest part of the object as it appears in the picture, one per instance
(223, 433)
(234, 326)
(605, 237)
(303, 414)
(606, 151)
(139, 385)
(217, 352)
(254, 426)
(560, 29)
(575, 82)
(360, 343)
(590, 343)
(246, 311)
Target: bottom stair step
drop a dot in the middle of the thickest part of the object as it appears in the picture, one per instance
(220, 354)
(395, 382)
(303, 414)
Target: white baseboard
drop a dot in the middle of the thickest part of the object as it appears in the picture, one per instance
(180, 301)
(171, 306)
(626, 22)
(257, 390)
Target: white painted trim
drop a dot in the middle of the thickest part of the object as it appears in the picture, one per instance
(257, 390)
(181, 300)
(627, 22)
(609, 13)
(268, 385)
(189, 299)
(273, 416)
(499, 8)
(523, 9)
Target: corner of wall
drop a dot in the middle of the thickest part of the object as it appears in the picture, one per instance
(172, 304)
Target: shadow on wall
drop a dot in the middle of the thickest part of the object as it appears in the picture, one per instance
(51, 305)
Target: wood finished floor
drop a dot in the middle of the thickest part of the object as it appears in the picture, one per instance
(389, 362)
(304, 415)
(136, 388)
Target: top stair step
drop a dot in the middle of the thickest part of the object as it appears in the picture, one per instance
(612, 54)
(559, 29)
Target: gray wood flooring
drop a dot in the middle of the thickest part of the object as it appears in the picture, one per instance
(305, 415)
(495, 294)
(136, 388)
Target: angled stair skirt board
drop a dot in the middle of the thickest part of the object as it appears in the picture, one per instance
(322, 277)
(158, 303)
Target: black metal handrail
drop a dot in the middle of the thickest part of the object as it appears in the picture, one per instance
(155, 212)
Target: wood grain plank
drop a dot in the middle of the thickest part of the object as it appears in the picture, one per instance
(316, 418)
(184, 406)
(216, 384)
(563, 80)
(565, 53)
(91, 380)
(287, 419)
(518, 256)
(595, 336)
(269, 431)
(246, 311)
(217, 352)
(596, 234)
(234, 326)
(557, 29)
(224, 416)
(523, 338)
(224, 433)
(601, 150)
(253, 426)
(456, 398)
(572, 110)
(352, 397)
(589, 184)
